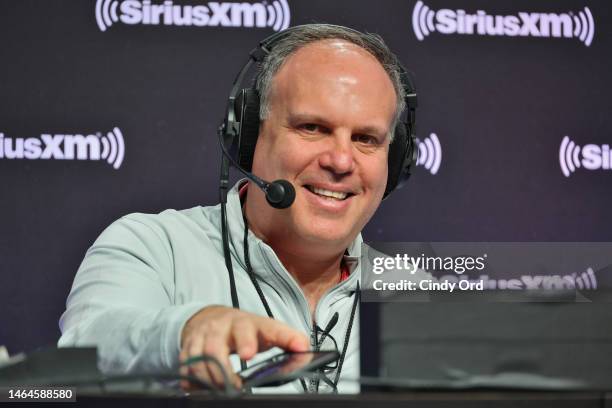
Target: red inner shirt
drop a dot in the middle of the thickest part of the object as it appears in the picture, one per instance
(344, 271)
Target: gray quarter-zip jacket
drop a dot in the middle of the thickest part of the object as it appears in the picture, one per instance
(146, 275)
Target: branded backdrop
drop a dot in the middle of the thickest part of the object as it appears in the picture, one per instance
(110, 106)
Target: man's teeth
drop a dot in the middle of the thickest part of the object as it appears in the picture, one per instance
(327, 193)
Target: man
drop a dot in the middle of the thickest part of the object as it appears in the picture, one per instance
(153, 289)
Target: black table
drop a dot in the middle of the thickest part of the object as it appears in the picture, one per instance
(413, 399)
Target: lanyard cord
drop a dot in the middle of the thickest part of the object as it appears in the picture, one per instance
(247, 261)
(347, 335)
(264, 301)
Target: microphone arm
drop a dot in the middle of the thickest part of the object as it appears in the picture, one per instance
(279, 193)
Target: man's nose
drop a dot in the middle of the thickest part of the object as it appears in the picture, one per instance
(338, 156)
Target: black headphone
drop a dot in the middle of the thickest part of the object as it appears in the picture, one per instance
(240, 128)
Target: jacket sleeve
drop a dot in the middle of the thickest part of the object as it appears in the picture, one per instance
(123, 300)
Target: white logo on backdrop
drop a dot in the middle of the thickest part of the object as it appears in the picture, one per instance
(590, 156)
(274, 14)
(109, 147)
(583, 280)
(430, 153)
(580, 25)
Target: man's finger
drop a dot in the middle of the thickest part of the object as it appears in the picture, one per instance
(183, 370)
(216, 345)
(244, 338)
(194, 349)
(272, 333)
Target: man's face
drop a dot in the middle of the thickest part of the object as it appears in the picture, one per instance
(327, 132)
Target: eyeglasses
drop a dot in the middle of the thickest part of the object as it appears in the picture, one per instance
(327, 341)
(322, 382)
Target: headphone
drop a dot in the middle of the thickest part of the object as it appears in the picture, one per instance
(240, 129)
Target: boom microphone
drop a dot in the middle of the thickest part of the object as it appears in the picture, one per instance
(279, 193)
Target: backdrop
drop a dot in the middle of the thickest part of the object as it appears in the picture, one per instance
(110, 106)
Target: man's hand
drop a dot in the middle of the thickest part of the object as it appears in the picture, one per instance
(219, 331)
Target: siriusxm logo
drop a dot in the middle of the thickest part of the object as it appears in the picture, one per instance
(522, 24)
(430, 153)
(590, 156)
(274, 14)
(109, 147)
(583, 280)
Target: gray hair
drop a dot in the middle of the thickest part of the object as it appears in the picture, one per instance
(300, 36)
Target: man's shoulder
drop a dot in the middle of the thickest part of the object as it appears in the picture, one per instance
(168, 226)
(197, 215)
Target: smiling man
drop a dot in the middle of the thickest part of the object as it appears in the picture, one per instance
(153, 290)
(326, 130)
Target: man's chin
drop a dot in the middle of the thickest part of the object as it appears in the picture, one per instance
(329, 236)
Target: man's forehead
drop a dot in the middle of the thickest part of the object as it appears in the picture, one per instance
(332, 71)
(333, 48)
(336, 44)
(338, 60)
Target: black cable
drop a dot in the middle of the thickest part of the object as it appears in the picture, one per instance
(314, 382)
(251, 274)
(269, 311)
(229, 388)
(228, 261)
(170, 376)
(223, 187)
(247, 261)
(148, 378)
(348, 335)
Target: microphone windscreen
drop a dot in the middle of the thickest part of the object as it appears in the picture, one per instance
(280, 194)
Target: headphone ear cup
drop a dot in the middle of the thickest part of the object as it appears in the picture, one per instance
(400, 157)
(247, 107)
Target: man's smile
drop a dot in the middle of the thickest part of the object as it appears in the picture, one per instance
(332, 194)
(327, 198)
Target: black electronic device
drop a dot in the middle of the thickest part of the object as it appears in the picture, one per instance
(460, 344)
(52, 366)
(286, 367)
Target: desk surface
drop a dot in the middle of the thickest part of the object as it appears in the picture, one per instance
(378, 400)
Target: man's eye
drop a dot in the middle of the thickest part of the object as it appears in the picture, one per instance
(310, 127)
(366, 139)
